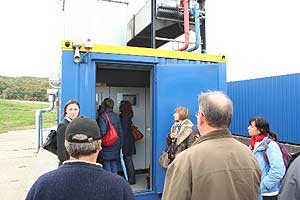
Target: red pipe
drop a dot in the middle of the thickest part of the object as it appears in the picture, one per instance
(186, 25)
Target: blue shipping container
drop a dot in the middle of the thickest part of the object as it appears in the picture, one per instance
(155, 81)
(274, 98)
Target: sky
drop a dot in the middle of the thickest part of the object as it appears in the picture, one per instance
(31, 32)
(259, 38)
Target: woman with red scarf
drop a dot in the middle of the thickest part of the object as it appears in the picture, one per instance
(272, 171)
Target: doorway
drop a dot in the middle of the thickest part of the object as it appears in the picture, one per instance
(131, 83)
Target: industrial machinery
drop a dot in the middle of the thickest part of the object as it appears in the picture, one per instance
(170, 19)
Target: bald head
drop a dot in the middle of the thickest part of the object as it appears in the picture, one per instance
(217, 108)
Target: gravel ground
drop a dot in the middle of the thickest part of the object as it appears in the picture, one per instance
(20, 165)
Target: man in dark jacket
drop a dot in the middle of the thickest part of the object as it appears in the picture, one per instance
(217, 166)
(81, 177)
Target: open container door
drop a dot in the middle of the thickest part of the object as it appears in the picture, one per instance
(175, 85)
(175, 78)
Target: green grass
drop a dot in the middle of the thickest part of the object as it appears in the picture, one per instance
(17, 115)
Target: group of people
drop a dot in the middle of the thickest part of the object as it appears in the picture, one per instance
(122, 123)
(81, 177)
(217, 166)
(87, 169)
(109, 155)
(212, 166)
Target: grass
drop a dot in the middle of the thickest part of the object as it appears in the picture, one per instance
(18, 115)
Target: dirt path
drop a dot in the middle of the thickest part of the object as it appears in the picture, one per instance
(20, 165)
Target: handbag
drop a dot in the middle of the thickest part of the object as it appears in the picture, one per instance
(137, 135)
(51, 142)
(168, 154)
(111, 135)
(164, 160)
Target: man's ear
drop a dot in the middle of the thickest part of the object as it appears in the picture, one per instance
(99, 146)
(201, 119)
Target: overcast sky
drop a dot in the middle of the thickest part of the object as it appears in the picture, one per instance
(31, 32)
(260, 38)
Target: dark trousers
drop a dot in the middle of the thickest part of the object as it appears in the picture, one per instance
(130, 169)
(110, 165)
(270, 198)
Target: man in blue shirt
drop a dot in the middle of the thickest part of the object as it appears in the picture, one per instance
(81, 177)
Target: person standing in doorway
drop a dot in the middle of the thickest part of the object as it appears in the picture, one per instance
(217, 166)
(71, 111)
(109, 154)
(126, 114)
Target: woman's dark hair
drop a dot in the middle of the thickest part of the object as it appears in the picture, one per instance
(261, 124)
(72, 101)
(99, 108)
(107, 104)
(126, 108)
(273, 135)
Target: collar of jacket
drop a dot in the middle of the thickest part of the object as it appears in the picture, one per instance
(222, 133)
(185, 131)
(82, 161)
(262, 146)
(108, 110)
(68, 119)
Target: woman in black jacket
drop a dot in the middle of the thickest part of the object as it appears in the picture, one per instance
(109, 155)
(128, 149)
(71, 111)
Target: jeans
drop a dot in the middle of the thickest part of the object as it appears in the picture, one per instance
(110, 165)
(130, 169)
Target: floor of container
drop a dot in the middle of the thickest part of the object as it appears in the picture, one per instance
(141, 183)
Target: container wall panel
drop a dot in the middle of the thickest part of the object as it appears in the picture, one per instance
(274, 98)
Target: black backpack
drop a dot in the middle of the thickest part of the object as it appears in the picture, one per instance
(293, 157)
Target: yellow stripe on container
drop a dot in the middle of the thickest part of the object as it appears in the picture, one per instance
(140, 51)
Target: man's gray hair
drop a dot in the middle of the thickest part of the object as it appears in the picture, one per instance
(81, 149)
(217, 108)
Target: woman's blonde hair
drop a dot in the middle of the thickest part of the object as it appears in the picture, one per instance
(183, 112)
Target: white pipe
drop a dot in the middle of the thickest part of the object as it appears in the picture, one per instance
(37, 129)
(38, 121)
(51, 99)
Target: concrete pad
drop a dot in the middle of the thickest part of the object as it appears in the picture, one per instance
(20, 165)
(45, 161)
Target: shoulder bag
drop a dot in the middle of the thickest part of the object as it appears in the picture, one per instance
(164, 159)
(111, 135)
(137, 135)
(51, 142)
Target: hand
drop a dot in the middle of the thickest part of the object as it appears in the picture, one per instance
(172, 135)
